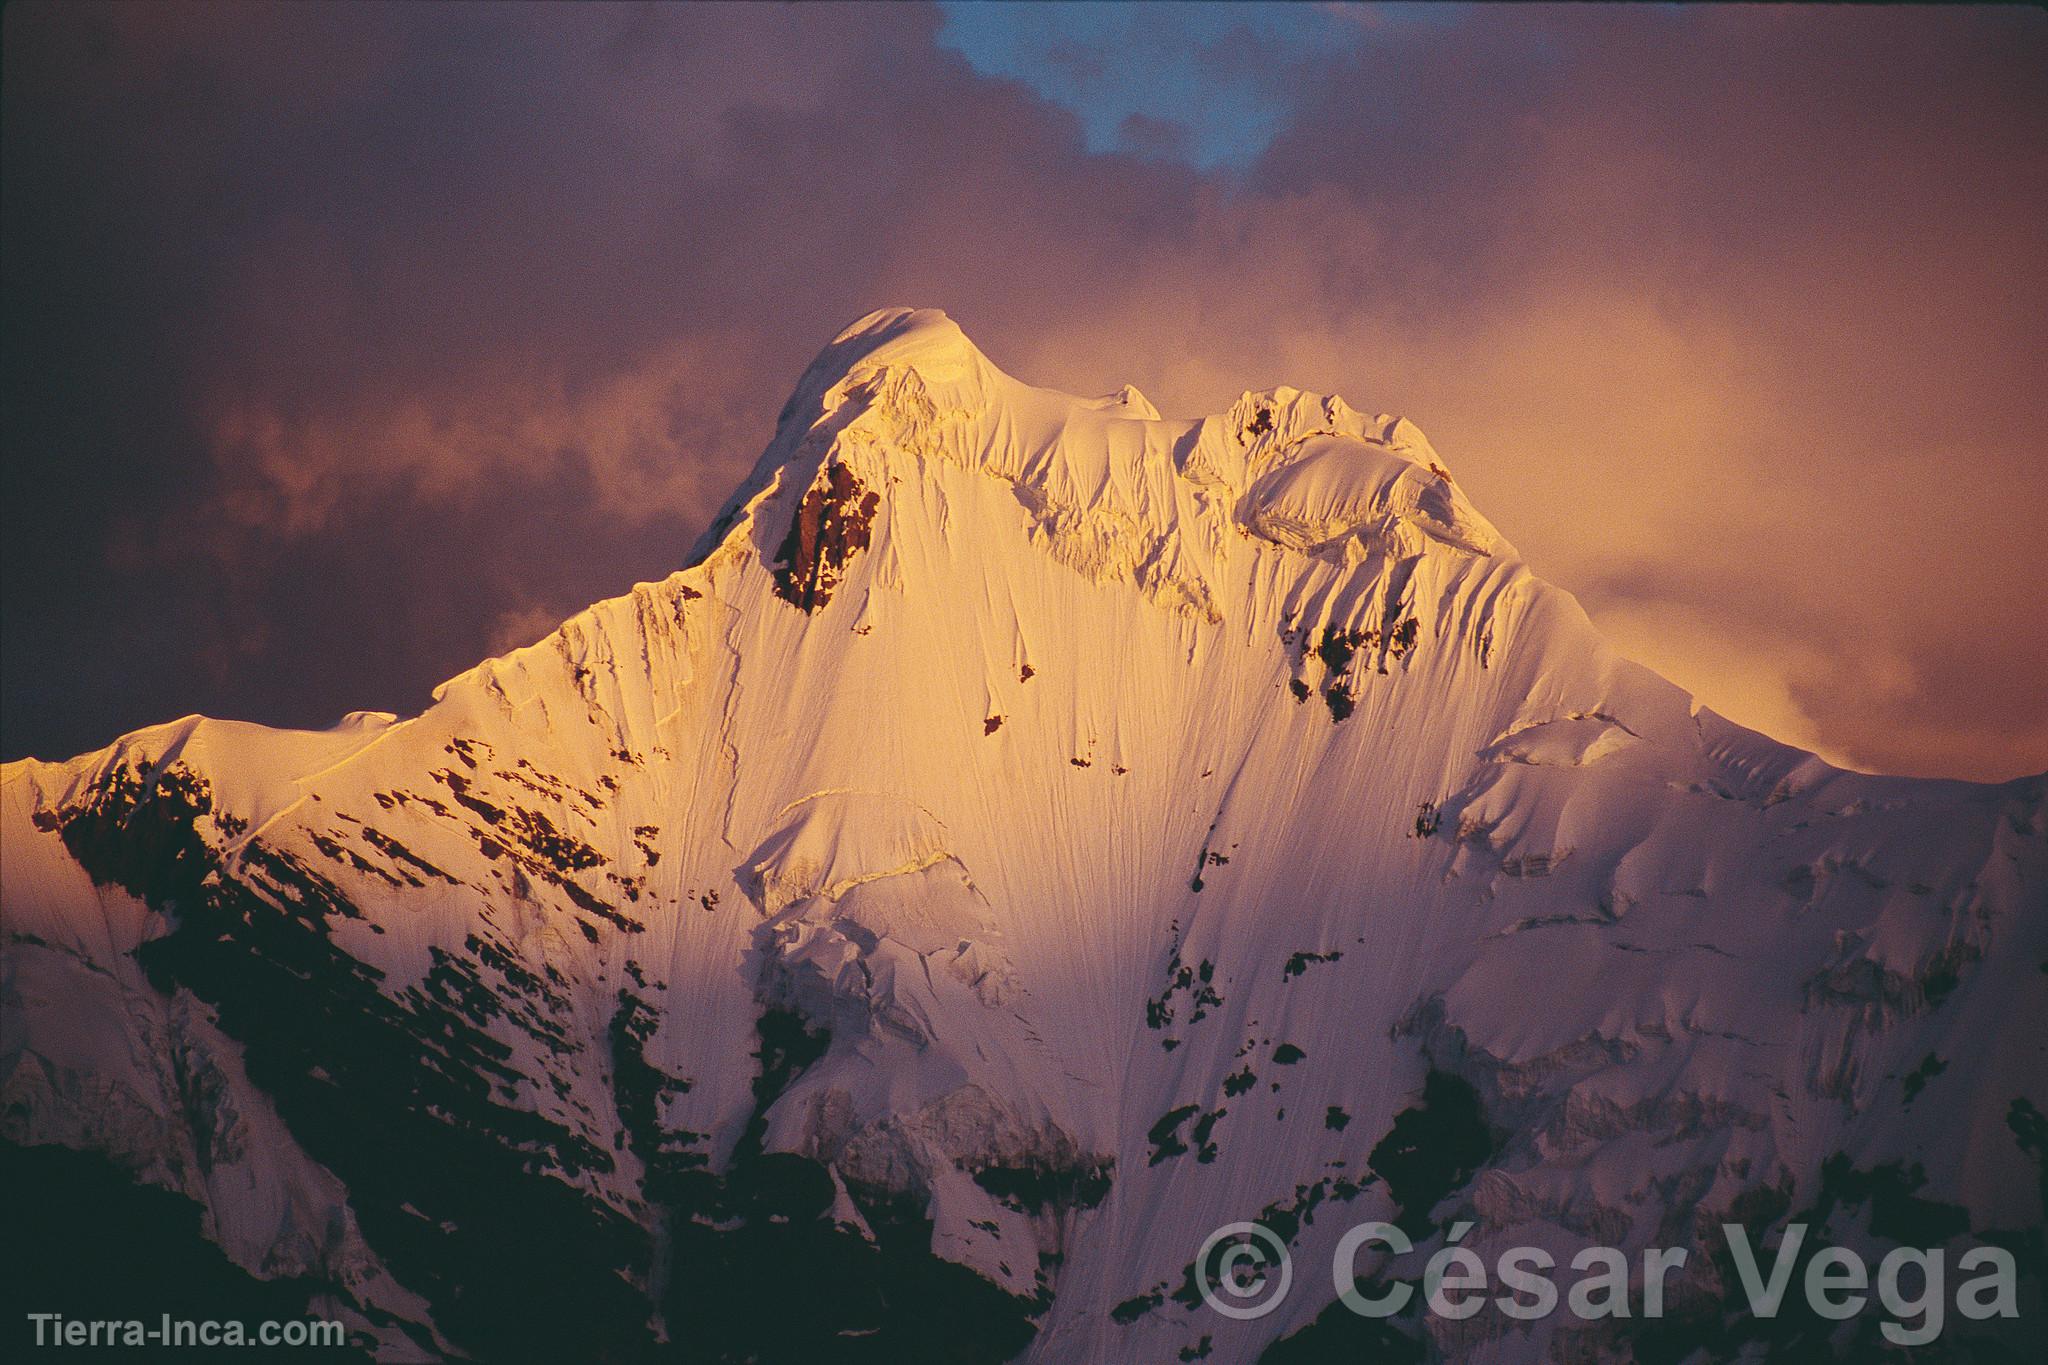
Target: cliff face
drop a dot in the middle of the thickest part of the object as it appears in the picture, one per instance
(1032, 835)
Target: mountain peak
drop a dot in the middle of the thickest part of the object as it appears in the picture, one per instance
(1108, 487)
(922, 339)
(905, 332)
(1037, 835)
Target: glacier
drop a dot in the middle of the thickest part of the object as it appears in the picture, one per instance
(1030, 834)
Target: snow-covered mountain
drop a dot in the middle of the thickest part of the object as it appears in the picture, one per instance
(1031, 835)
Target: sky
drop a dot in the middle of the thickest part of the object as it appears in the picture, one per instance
(346, 345)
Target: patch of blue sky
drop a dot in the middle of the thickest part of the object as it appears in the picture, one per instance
(1210, 85)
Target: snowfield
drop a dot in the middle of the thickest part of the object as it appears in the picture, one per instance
(1032, 835)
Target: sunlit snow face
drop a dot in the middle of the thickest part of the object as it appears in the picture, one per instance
(365, 365)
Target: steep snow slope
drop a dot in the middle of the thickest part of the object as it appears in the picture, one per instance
(1032, 835)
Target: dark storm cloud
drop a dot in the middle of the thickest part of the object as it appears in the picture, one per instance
(330, 329)
(346, 344)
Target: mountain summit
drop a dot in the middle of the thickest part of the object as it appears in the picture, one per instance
(1032, 835)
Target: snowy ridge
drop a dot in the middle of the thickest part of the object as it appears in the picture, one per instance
(1032, 834)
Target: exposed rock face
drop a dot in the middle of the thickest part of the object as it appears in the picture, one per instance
(830, 528)
(907, 932)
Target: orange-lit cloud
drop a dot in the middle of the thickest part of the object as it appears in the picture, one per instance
(423, 325)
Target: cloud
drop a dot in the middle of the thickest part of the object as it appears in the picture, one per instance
(1141, 134)
(349, 336)
(657, 438)
(522, 626)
